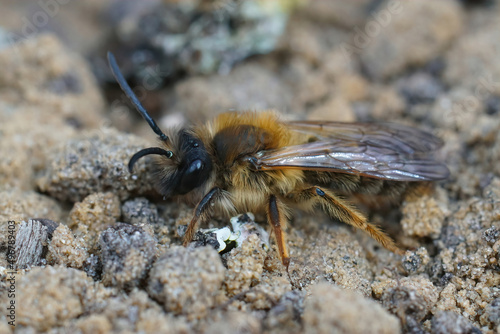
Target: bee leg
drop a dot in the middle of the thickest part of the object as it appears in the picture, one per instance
(277, 218)
(343, 211)
(201, 213)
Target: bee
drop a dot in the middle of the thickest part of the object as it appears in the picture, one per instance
(254, 161)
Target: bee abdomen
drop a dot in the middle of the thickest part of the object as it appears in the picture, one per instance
(355, 184)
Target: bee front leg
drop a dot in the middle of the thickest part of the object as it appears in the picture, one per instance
(277, 218)
(338, 208)
(201, 214)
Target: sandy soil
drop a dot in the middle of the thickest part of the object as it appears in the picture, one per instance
(98, 250)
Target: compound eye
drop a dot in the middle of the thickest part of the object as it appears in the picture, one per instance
(194, 167)
(193, 176)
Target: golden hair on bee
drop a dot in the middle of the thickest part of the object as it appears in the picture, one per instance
(254, 161)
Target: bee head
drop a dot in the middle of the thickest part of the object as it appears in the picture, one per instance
(187, 165)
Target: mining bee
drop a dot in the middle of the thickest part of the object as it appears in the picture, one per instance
(253, 161)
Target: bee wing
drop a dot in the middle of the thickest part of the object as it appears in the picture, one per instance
(400, 138)
(385, 151)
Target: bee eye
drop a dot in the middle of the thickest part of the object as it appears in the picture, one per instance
(194, 167)
(193, 176)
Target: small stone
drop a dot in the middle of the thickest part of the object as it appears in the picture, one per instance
(93, 215)
(95, 323)
(408, 39)
(286, 315)
(471, 62)
(142, 213)
(331, 309)
(186, 281)
(44, 88)
(448, 322)
(235, 322)
(335, 108)
(491, 316)
(491, 235)
(420, 87)
(409, 306)
(248, 87)
(345, 14)
(34, 67)
(198, 37)
(139, 211)
(127, 253)
(244, 265)
(52, 296)
(493, 105)
(424, 215)
(415, 262)
(96, 161)
(269, 289)
(333, 255)
(66, 249)
(93, 267)
(303, 40)
(352, 87)
(410, 298)
(129, 312)
(388, 104)
(19, 205)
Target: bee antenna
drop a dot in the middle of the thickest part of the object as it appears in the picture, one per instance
(144, 152)
(132, 97)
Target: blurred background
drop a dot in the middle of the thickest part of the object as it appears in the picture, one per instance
(433, 64)
(430, 63)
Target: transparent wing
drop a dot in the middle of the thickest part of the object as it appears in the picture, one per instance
(385, 151)
(400, 138)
